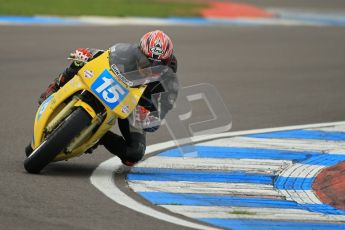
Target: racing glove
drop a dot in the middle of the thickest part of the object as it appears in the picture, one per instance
(80, 56)
(141, 113)
(146, 119)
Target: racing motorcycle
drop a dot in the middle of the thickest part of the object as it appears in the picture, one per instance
(74, 119)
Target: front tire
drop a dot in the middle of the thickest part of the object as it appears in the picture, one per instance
(57, 141)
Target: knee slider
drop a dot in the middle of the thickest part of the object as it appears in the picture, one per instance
(135, 153)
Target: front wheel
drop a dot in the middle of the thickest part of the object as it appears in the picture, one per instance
(57, 141)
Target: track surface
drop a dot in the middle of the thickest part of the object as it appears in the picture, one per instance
(268, 76)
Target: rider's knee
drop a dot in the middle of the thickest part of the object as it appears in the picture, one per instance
(135, 152)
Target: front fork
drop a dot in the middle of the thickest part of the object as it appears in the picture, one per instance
(86, 133)
(67, 110)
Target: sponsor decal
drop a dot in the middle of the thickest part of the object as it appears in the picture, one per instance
(125, 109)
(119, 74)
(108, 89)
(43, 107)
(88, 73)
(157, 50)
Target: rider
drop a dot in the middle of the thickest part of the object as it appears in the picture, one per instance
(155, 48)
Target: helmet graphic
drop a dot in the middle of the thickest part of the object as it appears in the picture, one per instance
(156, 45)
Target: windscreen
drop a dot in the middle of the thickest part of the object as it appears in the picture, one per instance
(133, 69)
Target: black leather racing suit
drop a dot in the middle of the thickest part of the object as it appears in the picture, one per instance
(130, 147)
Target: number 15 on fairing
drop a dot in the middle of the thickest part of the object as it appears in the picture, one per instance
(108, 89)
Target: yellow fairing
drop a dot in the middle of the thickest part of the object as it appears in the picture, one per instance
(86, 107)
(98, 67)
(51, 106)
(86, 79)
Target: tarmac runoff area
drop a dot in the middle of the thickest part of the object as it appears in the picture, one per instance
(259, 179)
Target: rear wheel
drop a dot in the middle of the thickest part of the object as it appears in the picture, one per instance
(57, 141)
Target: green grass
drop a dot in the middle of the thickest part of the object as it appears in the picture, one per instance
(144, 8)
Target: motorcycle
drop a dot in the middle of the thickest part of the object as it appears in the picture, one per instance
(74, 119)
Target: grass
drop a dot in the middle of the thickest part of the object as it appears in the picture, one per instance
(238, 212)
(144, 8)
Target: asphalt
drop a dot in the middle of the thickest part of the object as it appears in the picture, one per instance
(267, 76)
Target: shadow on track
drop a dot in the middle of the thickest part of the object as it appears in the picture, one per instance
(63, 169)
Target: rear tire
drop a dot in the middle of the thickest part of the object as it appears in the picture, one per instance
(57, 141)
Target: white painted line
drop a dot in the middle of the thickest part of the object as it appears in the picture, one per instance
(122, 21)
(267, 130)
(243, 189)
(334, 147)
(339, 128)
(102, 177)
(251, 213)
(249, 165)
(106, 21)
(235, 189)
(301, 171)
(301, 196)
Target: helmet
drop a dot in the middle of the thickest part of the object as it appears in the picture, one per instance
(156, 45)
